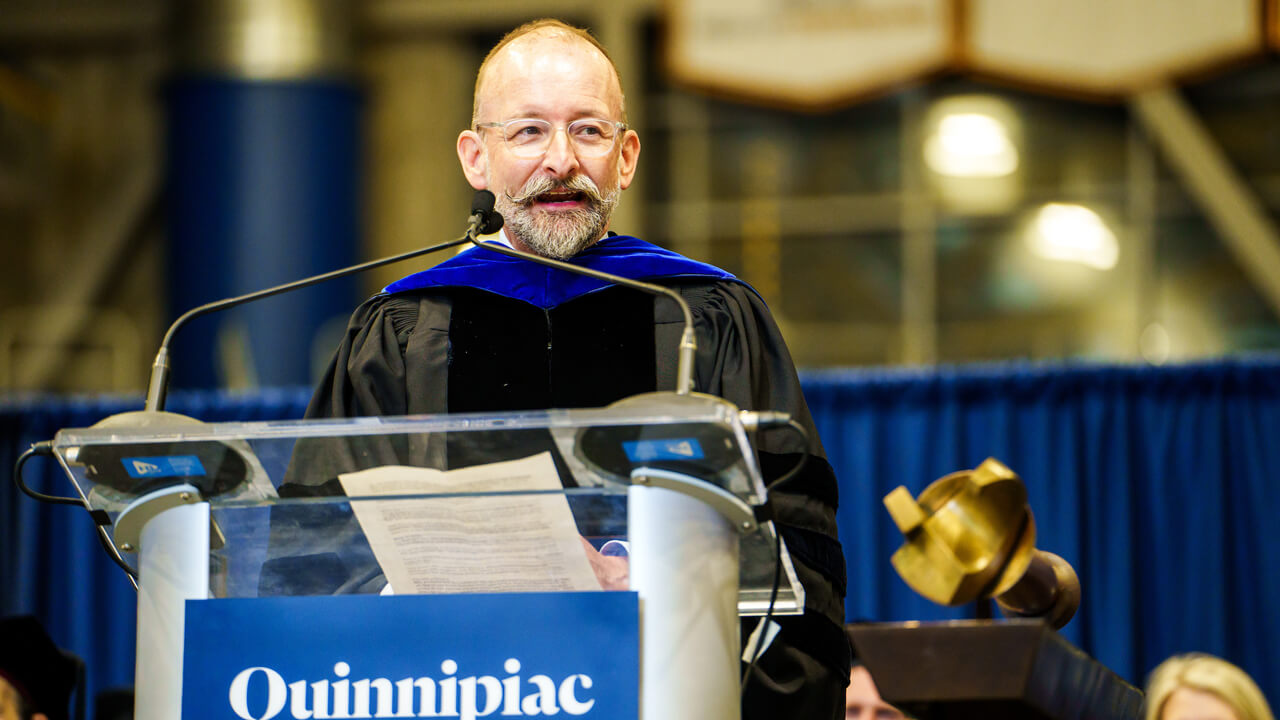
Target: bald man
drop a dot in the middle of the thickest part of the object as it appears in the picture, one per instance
(549, 139)
(485, 332)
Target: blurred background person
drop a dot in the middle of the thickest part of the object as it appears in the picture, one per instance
(862, 700)
(36, 678)
(1203, 687)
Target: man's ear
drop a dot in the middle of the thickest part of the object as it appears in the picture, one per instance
(628, 158)
(475, 162)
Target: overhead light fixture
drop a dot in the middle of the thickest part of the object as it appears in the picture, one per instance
(1073, 233)
(970, 141)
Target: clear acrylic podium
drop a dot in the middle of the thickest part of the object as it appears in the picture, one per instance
(246, 510)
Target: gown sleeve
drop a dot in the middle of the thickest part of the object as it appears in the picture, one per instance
(318, 549)
(366, 378)
(743, 359)
(367, 374)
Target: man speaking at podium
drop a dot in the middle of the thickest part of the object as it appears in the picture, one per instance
(549, 138)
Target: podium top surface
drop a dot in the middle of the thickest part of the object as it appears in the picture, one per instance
(286, 497)
(279, 462)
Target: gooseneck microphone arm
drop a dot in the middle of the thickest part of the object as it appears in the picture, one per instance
(483, 205)
(158, 387)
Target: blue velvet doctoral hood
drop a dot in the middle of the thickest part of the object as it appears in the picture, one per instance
(546, 287)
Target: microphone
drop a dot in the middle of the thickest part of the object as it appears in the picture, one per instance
(158, 387)
(212, 466)
(484, 219)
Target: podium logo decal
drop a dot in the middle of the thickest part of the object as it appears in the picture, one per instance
(163, 466)
(462, 657)
(446, 695)
(673, 449)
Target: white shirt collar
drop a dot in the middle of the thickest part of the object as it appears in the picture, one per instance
(498, 237)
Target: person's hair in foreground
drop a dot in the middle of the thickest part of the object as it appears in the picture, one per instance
(1209, 675)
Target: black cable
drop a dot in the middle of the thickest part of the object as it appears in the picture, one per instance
(777, 554)
(110, 550)
(41, 448)
(768, 613)
(45, 447)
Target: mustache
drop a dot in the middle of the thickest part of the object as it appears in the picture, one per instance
(542, 185)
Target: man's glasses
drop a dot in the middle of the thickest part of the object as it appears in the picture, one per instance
(530, 137)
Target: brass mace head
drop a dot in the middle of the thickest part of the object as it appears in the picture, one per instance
(970, 535)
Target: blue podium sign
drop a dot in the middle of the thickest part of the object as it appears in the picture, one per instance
(404, 656)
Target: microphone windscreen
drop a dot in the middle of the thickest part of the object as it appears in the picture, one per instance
(490, 219)
(482, 202)
(492, 223)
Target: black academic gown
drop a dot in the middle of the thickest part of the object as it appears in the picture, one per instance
(442, 345)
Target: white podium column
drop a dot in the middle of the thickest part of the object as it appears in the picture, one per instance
(684, 565)
(173, 567)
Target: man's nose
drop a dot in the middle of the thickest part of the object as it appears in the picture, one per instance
(560, 159)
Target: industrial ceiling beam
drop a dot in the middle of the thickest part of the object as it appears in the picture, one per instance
(1228, 202)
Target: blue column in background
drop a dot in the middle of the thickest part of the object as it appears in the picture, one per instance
(263, 188)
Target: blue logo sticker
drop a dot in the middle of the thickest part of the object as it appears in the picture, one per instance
(670, 449)
(163, 466)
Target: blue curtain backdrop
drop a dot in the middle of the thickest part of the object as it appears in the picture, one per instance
(1161, 486)
(1158, 484)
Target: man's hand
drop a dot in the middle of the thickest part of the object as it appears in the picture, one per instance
(613, 573)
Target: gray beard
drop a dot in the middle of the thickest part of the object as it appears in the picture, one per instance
(559, 235)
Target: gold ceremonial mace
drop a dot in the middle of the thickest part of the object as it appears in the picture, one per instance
(970, 535)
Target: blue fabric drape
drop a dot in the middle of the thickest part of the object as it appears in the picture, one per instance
(1157, 484)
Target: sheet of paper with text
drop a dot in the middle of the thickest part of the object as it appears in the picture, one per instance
(516, 542)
